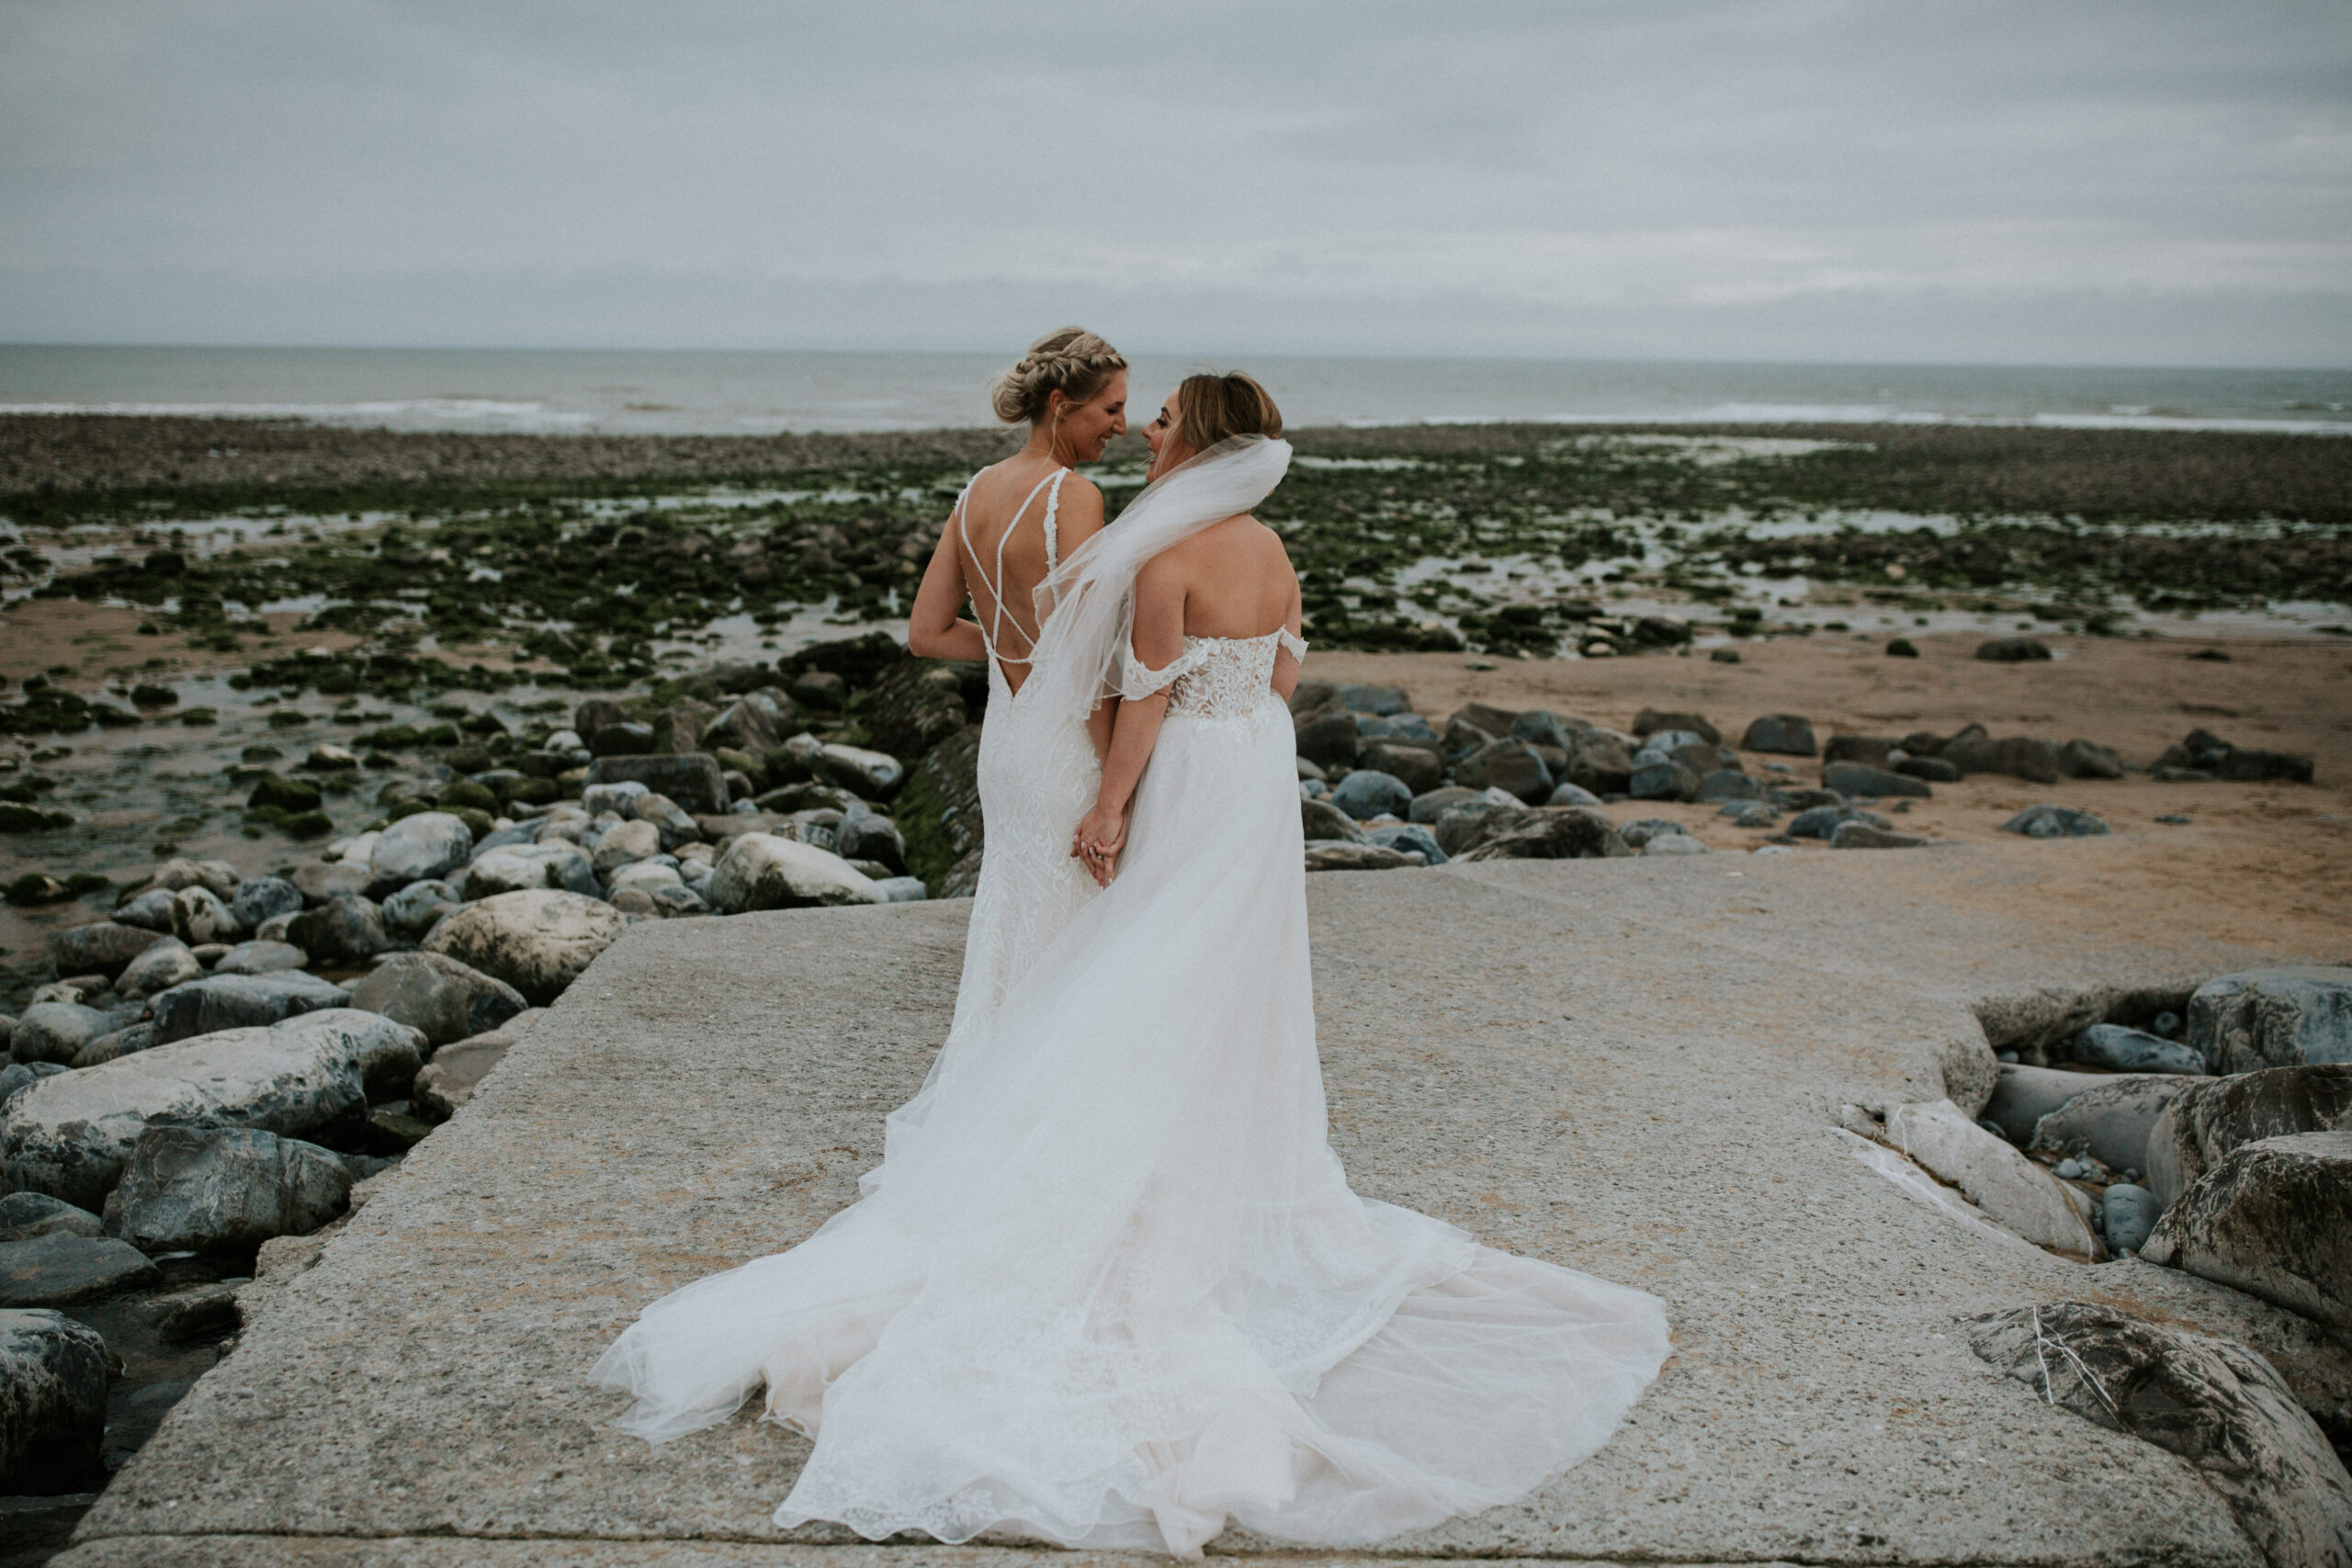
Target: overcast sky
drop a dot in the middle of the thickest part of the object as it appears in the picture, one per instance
(1906, 180)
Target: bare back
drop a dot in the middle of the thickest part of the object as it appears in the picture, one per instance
(1010, 528)
(1231, 580)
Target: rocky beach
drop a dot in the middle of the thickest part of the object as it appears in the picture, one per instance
(336, 758)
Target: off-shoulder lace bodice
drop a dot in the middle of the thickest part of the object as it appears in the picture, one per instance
(1215, 677)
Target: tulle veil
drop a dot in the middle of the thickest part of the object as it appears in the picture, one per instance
(1086, 605)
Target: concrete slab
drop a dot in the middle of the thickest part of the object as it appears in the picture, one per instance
(1633, 1066)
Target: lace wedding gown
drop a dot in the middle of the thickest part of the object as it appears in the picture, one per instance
(1038, 775)
(1109, 1286)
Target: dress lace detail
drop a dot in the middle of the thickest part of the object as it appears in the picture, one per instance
(1215, 677)
(1037, 779)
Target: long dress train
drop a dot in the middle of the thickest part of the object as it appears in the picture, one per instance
(1109, 1287)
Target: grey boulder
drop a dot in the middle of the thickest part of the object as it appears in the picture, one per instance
(2128, 1212)
(1420, 768)
(1863, 836)
(104, 947)
(1326, 737)
(2134, 1051)
(2089, 760)
(2047, 821)
(345, 931)
(866, 835)
(121, 1043)
(167, 963)
(322, 880)
(1783, 734)
(427, 845)
(2273, 1018)
(151, 911)
(1822, 821)
(1662, 779)
(437, 996)
(763, 870)
(625, 844)
(551, 864)
(241, 1001)
(413, 910)
(260, 898)
(1508, 765)
(1368, 793)
(200, 915)
(2217, 1405)
(1553, 832)
(260, 958)
(447, 1082)
(875, 775)
(1408, 838)
(1336, 855)
(2273, 1219)
(209, 1189)
(538, 942)
(2209, 1117)
(1859, 780)
(2022, 1095)
(53, 1378)
(61, 1269)
(693, 779)
(56, 1032)
(2109, 1118)
(24, 1215)
(69, 1135)
(1322, 819)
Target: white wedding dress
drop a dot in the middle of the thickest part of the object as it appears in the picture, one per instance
(1109, 1287)
(1038, 775)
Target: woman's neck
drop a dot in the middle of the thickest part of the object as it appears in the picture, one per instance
(1044, 443)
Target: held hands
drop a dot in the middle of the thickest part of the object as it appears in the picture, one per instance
(1098, 841)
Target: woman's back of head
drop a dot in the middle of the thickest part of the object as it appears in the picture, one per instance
(1212, 407)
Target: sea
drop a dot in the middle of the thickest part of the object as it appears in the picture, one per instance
(652, 391)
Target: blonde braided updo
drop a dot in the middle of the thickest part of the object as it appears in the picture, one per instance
(1071, 361)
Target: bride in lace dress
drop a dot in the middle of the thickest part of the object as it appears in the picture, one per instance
(1012, 525)
(1109, 1287)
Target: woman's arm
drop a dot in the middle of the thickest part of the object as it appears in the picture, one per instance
(1287, 669)
(935, 628)
(1080, 520)
(1158, 641)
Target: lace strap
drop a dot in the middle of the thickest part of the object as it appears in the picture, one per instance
(1139, 680)
(1297, 645)
(1053, 510)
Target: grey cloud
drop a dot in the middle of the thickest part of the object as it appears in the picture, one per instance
(1800, 178)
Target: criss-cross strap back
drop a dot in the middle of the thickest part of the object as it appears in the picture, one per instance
(1051, 488)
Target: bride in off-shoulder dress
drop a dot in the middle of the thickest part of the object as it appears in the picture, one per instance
(1109, 1287)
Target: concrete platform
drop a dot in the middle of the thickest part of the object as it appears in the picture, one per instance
(1631, 1067)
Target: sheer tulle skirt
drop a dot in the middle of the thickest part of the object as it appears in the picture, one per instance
(1109, 1287)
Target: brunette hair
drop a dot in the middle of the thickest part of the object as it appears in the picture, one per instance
(1071, 361)
(1211, 408)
